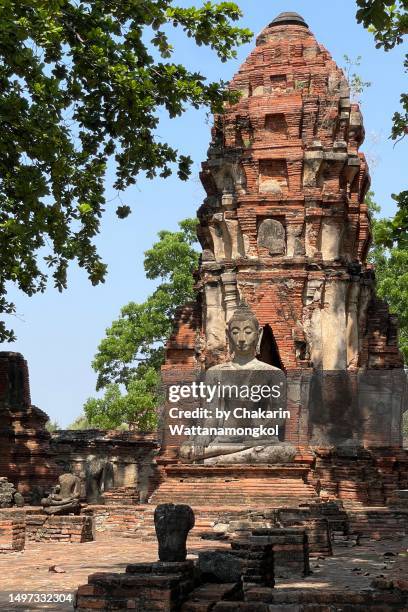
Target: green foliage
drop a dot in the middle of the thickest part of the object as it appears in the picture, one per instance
(390, 232)
(405, 426)
(52, 426)
(136, 407)
(81, 84)
(133, 346)
(135, 340)
(388, 21)
(357, 85)
(80, 423)
(391, 267)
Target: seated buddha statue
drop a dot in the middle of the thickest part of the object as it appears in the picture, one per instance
(65, 497)
(243, 369)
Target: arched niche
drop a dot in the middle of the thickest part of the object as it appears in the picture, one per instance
(268, 351)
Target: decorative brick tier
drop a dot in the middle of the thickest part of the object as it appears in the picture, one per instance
(12, 530)
(128, 496)
(251, 486)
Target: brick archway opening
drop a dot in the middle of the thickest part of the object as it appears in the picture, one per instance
(269, 352)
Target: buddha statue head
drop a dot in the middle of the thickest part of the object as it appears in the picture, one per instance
(244, 332)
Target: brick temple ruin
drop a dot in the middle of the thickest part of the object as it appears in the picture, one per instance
(285, 229)
(25, 458)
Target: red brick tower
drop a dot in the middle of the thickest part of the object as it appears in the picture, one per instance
(284, 226)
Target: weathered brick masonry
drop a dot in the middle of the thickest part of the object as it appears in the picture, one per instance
(12, 530)
(129, 456)
(26, 458)
(285, 226)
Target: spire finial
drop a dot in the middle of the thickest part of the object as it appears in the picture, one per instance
(288, 19)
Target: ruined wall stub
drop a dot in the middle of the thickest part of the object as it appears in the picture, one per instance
(286, 184)
(25, 455)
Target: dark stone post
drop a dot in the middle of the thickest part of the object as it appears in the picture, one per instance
(172, 524)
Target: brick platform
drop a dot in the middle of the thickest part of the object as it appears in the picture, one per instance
(366, 578)
(30, 568)
(144, 586)
(378, 523)
(251, 486)
(70, 529)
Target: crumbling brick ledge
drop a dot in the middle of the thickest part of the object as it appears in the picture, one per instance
(12, 530)
(70, 529)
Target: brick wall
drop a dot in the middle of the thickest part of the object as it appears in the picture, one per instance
(12, 530)
(69, 529)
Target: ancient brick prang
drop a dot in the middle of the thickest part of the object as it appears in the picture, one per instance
(285, 227)
(284, 224)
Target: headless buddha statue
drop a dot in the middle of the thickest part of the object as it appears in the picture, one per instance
(243, 370)
(65, 497)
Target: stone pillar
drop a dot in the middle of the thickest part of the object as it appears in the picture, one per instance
(331, 237)
(352, 324)
(334, 326)
(214, 317)
(173, 523)
(229, 280)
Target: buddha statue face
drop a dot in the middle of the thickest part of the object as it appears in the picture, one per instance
(243, 332)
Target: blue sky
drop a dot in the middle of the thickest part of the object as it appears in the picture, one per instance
(59, 333)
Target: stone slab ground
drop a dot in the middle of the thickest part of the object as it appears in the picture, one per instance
(351, 569)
